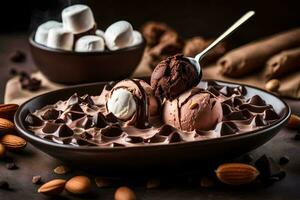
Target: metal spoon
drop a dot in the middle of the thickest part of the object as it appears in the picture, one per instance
(196, 61)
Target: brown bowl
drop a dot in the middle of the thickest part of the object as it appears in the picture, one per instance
(70, 67)
(154, 158)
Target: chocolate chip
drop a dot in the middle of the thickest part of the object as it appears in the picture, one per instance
(175, 137)
(59, 121)
(4, 185)
(65, 131)
(11, 166)
(134, 139)
(226, 128)
(37, 180)
(51, 114)
(284, 160)
(18, 56)
(166, 130)
(99, 120)
(270, 115)
(33, 120)
(76, 115)
(268, 168)
(257, 100)
(112, 131)
(50, 127)
(111, 118)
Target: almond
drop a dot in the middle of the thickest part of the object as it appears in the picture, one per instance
(7, 111)
(272, 85)
(294, 122)
(13, 142)
(236, 173)
(79, 185)
(6, 126)
(2, 150)
(193, 106)
(124, 193)
(54, 187)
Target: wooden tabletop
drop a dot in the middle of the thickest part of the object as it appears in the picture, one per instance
(33, 162)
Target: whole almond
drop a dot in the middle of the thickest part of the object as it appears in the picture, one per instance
(236, 173)
(13, 142)
(52, 188)
(124, 193)
(2, 150)
(294, 122)
(193, 106)
(272, 85)
(78, 185)
(7, 111)
(6, 126)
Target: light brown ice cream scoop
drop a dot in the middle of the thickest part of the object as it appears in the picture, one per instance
(193, 111)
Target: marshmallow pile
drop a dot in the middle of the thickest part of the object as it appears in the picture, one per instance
(78, 31)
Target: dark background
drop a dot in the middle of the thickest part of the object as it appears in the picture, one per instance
(190, 17)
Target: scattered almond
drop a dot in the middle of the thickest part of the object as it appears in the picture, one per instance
(78, 185)
(124, 193)
(2, 150)
(272, 85)
(153, 183)
(52, 188)
(61, 169)
(193, 106)
(13, 142)
(236, 173)
(294, 121)
(6, 126)
(7, 111)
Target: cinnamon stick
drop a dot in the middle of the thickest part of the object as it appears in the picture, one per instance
(250, 57)
(283, 63)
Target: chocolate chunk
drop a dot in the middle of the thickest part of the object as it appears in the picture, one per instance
(258, 121)
(65, 131)
(85, 122)
(75, 107)
(175, 137)
(157, 139)
(4, 185)
(18, 56)
(226, 128)
(76, 115)
(284, 160)
(88, 100)
(11, 166)
(226, 109)
(270, 115)
(111, 118)
(257, 100)
(37, 180)
(59, 121)
(50, 127)
(99, 120)
(51, 114)
(32, 120)
(112, 131)
(268, 168)
(236, 115)
(237, 101)
(166, 130)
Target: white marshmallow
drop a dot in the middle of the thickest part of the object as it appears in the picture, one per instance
(118, 35)
(58, 38)
(122, 104)
(41, 35)
(89, 43)
(100, 33)
(137, 38)
(78, 18)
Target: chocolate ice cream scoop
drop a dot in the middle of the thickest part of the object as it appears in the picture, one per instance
(133, 101)
(173, 76)
(193, 110)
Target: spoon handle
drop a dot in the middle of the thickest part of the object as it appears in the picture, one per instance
(230, 30)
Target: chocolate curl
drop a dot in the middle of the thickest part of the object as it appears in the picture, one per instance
(248, 58)
(283, 63)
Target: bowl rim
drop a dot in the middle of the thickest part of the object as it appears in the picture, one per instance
(21, 127)
(33, 43)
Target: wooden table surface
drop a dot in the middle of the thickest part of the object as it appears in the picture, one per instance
(34, 162)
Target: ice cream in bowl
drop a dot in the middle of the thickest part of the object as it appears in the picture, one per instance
(79, 50)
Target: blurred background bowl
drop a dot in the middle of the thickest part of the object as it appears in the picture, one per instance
(70, 67)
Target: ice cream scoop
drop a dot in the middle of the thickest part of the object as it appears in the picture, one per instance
(89, 43)
(173, 76)
(193, 110)
(132, 100)
(118, 35)
(59, 38)
(78, 18)
(41, 35)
